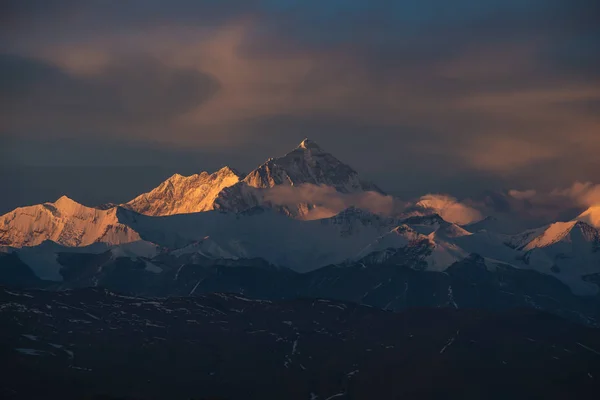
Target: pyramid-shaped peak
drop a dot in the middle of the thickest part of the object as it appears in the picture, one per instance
(176, 177)
(68, 206)
(308, 144)
(226, 170)
(65, 201)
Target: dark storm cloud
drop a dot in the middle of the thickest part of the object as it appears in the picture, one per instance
(133, 91)
(423, 96)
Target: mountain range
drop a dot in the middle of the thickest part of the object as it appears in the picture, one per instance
(301, 214)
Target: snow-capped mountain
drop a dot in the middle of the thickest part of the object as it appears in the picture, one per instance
(227, 216)
(306, 164)
(568, 250)
(185, 194)
(65, 222)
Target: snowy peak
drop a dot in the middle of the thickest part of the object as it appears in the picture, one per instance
(574, 232)
(308, 163)
(591, 216)
(185, 194)
(450, 230)
(308, 144)
(65, 222)
(66, 204)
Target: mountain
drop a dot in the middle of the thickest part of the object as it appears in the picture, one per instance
(566, 251)
(255, 233)
(96, 344)
(65, 222)
(307, 164)
(224, 217)
(185, 194)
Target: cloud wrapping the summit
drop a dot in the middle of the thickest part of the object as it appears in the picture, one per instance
(450, 209)
(330, 202)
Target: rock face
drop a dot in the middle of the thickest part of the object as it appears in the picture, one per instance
(223, 346)
(185, 194)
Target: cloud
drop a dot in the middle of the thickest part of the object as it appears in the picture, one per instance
(584, 194)
(449, 208)
(127, 95)
(579, 194)
(538, 207)
(329, 201)
(522, 194)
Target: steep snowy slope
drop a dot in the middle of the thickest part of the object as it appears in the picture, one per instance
(591, 216)
(308, 163)
(406, 245)
(263, 233)
(568, 250)
(65, 222)
(185, 194)
(43, 259)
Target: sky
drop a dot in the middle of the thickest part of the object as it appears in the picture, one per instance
(103, 100)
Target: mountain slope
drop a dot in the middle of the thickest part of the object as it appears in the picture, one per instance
(591, 216)
(184, 194)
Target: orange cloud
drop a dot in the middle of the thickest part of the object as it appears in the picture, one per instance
(449, 208)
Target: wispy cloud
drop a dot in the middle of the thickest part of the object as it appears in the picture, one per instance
(330, 202)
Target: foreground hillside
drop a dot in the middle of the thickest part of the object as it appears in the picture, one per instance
(89, 342)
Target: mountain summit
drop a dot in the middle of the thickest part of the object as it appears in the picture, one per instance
(308, 163)
(185, 194)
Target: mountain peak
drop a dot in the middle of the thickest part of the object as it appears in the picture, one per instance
(307, 144)
(65, 203)
(185, 194)
(226, 170)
